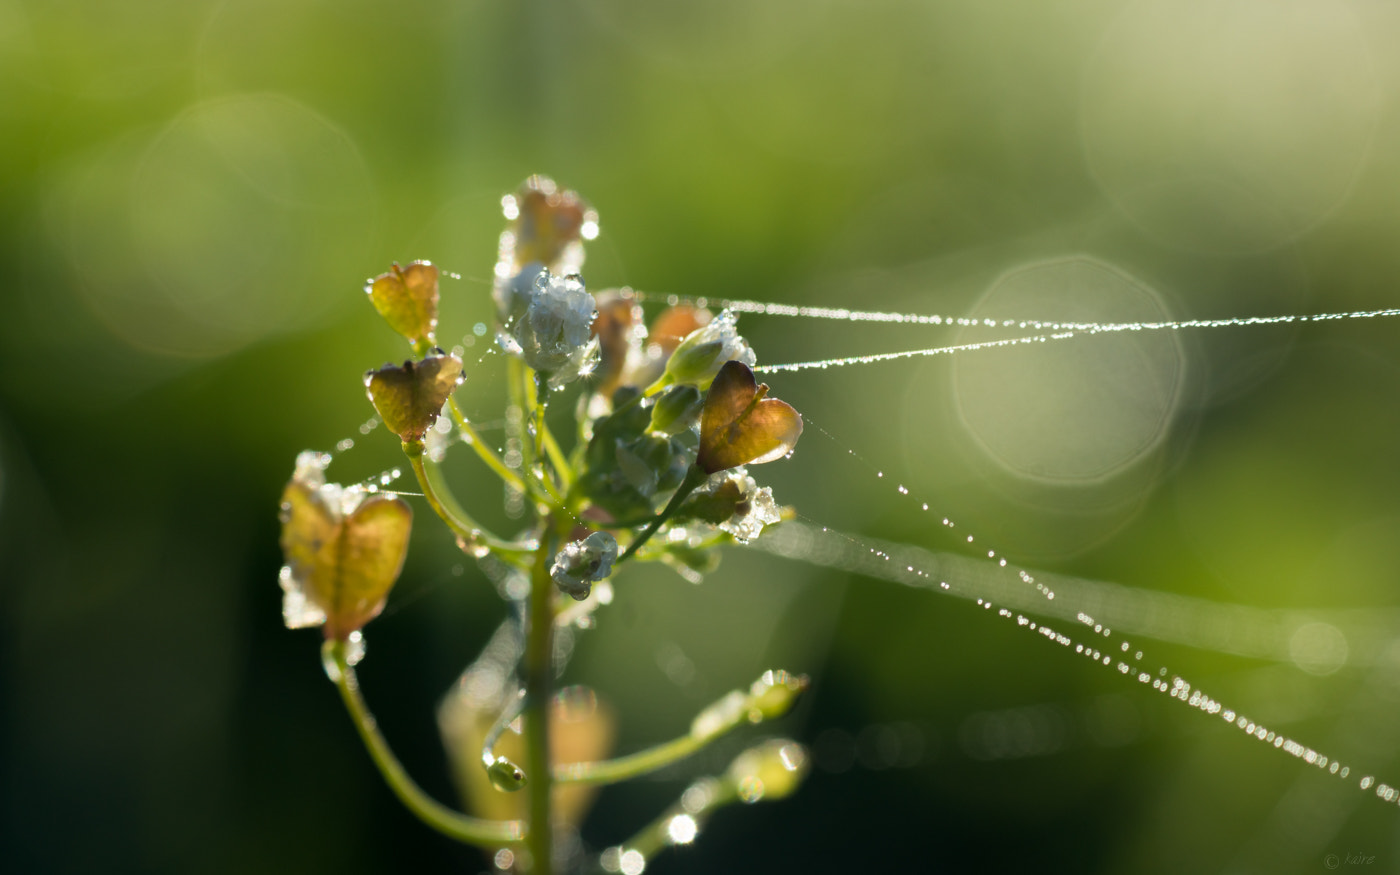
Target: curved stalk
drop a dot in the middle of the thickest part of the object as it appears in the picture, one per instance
(545, 446)
(769, 697)
(655, 837)
(472, 438)
(446, 506)
(633, 765)
(693, 478)
(472, 830)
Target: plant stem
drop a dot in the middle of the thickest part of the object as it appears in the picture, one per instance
(533, 383)
(472, 830)
(655, 837)
(545, 444)
(473, 439)
(539, 681)
(631, 766)
(446, 506)
(719, 718)
(693, 478)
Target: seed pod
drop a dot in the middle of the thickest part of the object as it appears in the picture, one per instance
(771, 770)
(407, 298)
(739, 426)
(409, 397)
(343, 548)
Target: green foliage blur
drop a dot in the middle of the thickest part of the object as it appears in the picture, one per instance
(192, 193)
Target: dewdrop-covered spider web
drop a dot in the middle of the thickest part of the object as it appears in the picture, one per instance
(1101, 621)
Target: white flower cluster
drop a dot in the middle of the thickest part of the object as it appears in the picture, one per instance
(552, 330)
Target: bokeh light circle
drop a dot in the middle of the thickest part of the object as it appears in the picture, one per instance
(219, 229)
(1071, 411)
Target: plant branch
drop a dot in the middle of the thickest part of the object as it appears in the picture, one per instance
(453, 824)
(693, 479)
(539, 681)
(446, 506)
(472, 438)
(765, 700)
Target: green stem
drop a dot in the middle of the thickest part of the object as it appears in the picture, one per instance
(472, 438)
(719, 718)
(532, 403)
(693, 478)
(656, 836)
(446, 506)
(631, 766)
(539, 681)
(472, 830)
(662, 382)
(544, 444)
(557, 458)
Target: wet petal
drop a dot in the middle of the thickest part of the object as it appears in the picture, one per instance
(554, 334)
(582, 563)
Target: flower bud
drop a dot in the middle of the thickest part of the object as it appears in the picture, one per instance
(773, 694)
(409, 398)
(771, 770)
(582, 563)
(698, 358)
(343, 547)
(677, 410)
(739, 426)
(407, 298)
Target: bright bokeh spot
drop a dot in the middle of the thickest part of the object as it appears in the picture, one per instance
(682, 829)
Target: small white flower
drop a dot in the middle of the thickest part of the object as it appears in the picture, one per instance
(582, 563)
(553, 333)
(704, 351)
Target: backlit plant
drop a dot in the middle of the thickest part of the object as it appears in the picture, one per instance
(669, 418)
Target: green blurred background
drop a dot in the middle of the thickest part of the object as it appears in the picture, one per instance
(191, 194)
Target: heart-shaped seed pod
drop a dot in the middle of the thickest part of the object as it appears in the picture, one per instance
(344, 549)
(407, 298)
(739, 426)
(410, 396)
